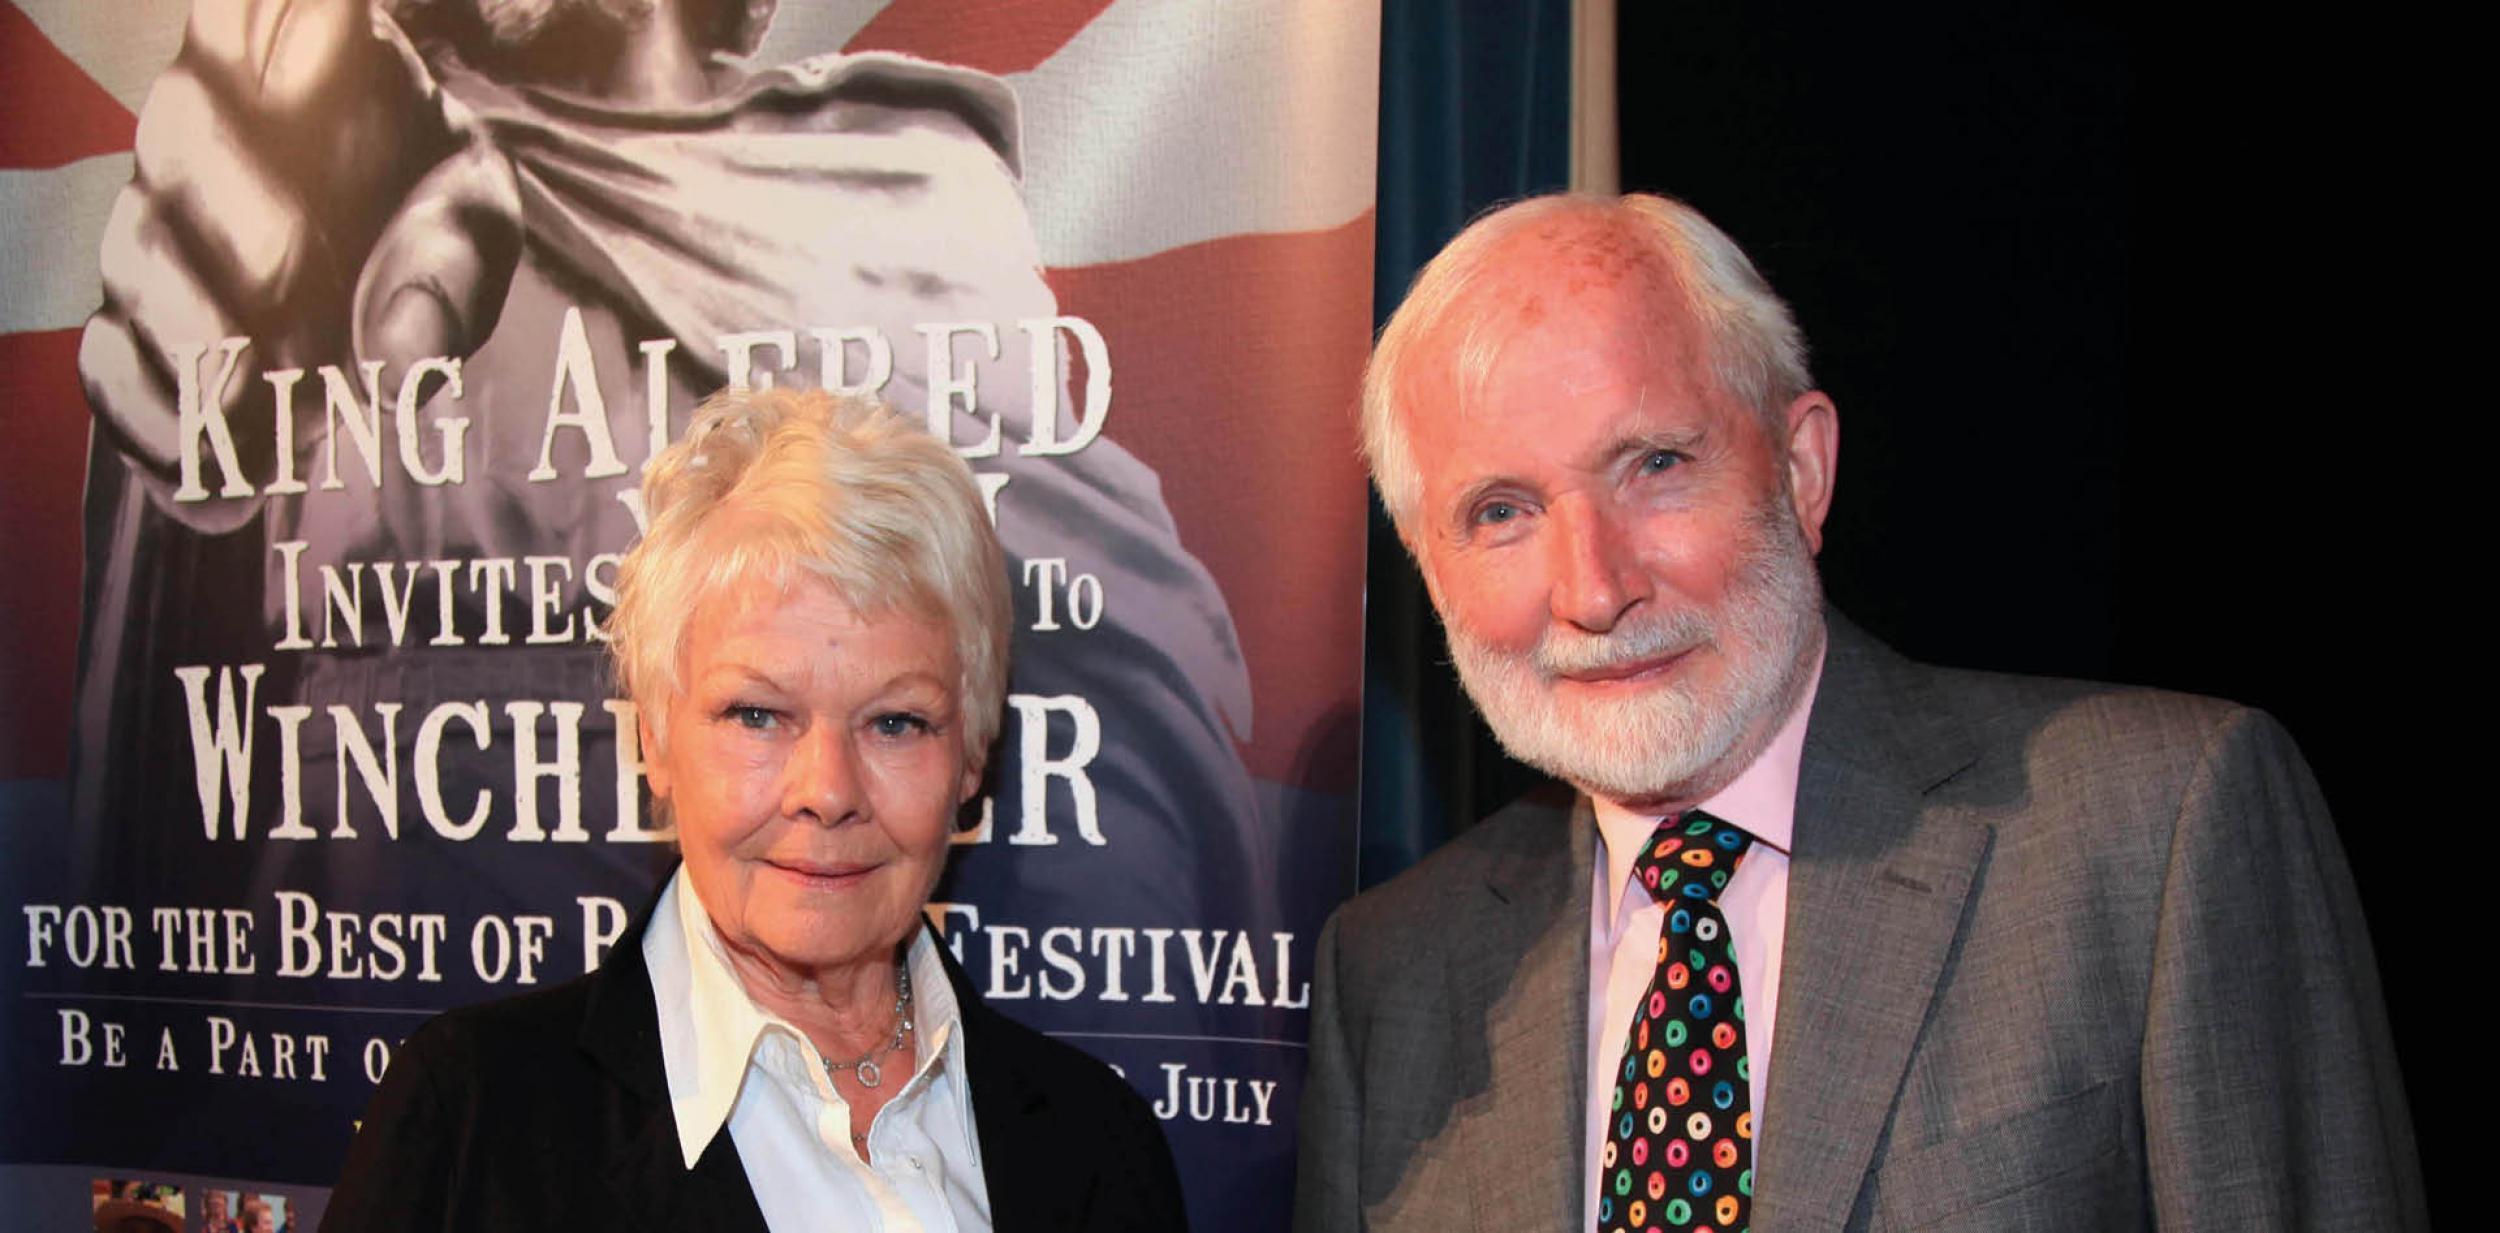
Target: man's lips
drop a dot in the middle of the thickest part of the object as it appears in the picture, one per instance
(1628, 672)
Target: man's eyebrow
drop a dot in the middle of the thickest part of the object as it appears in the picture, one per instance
(1679, 440)
(1473, 494)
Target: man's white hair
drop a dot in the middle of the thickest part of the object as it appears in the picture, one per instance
(1757, 354)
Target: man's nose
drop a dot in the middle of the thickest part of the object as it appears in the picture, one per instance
(1597, 571)
(821, 782)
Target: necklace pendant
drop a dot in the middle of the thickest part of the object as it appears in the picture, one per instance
(868, 1073)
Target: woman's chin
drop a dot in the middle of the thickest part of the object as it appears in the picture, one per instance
(820, 947)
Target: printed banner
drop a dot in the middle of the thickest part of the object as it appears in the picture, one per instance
(333, 340)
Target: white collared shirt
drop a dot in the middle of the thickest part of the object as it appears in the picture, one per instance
(731, 1062)
(1624, 927)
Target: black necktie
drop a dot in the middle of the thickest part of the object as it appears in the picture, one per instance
(1678, 1152)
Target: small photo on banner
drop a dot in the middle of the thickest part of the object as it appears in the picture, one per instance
(128, 1205)
(242, 1211)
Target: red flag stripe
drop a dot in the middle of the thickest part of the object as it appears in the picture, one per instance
(40, 489)
(1256, 446)
(51, 113)
(1003, 36)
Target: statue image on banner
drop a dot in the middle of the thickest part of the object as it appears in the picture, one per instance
(663, 227)
(397, 303)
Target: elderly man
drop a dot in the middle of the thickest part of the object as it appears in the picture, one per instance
(1818, 937)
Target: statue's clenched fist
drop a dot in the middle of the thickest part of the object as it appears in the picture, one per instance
(301, 182)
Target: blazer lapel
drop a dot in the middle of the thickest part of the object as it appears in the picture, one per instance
(1877, 882)
(1032, 1189)
(621, 1031)
(1527, 982)
(1029, 1189)
(661, 1193)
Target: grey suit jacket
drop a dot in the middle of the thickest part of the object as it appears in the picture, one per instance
(2058, 956)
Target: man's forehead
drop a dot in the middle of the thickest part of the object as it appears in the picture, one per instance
(1569, 258)
(1569, 330)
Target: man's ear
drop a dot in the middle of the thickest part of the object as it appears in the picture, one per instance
(1813, 425)
(655, 771)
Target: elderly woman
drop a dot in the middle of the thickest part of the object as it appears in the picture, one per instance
(814, 631)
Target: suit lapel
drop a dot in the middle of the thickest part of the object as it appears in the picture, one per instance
(621, 1031)
(1877, 882)
(1527, 982)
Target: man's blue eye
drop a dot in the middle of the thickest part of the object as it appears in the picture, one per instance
(1659, 460)
(1497, 512)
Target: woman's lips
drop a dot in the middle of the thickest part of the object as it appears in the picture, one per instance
(821, 875)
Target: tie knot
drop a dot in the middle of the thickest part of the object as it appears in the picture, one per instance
(1690, 858)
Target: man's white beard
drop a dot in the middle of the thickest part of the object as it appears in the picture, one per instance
(1667, 742)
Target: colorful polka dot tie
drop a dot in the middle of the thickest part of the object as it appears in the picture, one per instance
(1679, 1153)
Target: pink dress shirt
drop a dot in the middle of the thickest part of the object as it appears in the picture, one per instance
(1625, 921)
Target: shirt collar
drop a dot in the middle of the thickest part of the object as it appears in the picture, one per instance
(1763, 800)
(710, 1029)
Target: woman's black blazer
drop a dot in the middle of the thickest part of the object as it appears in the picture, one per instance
(550, 1111)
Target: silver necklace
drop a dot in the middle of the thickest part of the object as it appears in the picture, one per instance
(866, 1069)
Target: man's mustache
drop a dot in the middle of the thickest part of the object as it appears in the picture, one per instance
(1652, 637)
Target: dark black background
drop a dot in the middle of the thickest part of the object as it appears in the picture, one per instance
(2136, 322)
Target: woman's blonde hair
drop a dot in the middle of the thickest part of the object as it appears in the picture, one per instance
(840, 488)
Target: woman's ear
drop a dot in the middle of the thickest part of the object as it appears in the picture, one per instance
(655, 769)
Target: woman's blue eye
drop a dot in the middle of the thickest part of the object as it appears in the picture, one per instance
(899, 723)
(754, 718)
